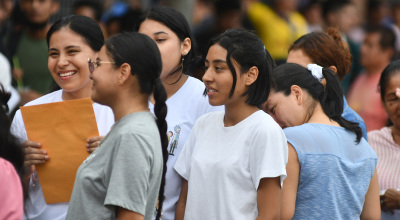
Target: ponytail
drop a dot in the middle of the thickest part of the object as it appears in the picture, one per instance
(332, 103)
(329, 96)
(160, 110)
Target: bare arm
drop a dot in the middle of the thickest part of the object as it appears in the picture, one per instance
(125, 214)
(289, 190)
(269, 198)
(371, 209)
(181, 206)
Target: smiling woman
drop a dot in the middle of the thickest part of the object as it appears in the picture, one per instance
(71, 40)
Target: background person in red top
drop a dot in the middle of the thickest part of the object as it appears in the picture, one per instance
(376, 53)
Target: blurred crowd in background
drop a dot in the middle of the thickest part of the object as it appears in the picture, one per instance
(369, 27)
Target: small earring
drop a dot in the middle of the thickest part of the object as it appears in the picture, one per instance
(119, 81)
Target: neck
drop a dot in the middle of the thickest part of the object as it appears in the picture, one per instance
(237, 112)
(82, 93)
(129, 103)
(170, 86)
(39, 34)
(395, 134)
(319, 117)
(378, 68)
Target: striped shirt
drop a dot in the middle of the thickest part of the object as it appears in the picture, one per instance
(388, 152)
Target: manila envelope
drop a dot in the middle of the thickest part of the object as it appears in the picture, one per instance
(62, 128)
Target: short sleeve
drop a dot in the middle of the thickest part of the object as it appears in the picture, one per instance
(269, 154)
(18, 128)
(182, 164)
(129, 180)
(11, 201)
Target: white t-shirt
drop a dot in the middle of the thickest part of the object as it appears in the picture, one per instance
(5, 72)
(35, 204)
(224, 165)
(184, 108)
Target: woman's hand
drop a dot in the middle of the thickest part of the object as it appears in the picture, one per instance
(392, 200)
(93, 143)
(34, 155)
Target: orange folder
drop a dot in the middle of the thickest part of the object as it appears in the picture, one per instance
(62, 128)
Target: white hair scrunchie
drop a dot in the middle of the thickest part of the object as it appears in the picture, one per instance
(316, 71)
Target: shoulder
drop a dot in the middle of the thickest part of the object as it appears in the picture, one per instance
(49, 98)
(298, 18)
(258, 7)
(210, 117)
(377, 137)
(194, 85)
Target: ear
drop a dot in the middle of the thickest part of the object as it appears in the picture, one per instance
(124, 73)
(54, 7)
(186, 46)
(333, 68)
(251, 76)
(297, 93)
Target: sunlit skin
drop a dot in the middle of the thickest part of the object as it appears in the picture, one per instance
(68, 54)
(172, 50)
(299, 57)
(391, 104)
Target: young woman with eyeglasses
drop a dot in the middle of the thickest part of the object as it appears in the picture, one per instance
(170, 30)
(71, 40)
(123, 178)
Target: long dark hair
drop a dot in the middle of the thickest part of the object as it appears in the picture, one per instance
(248, 50)
(142, 54)
(9, 149)
(329, 96)
(82, 25)
(177, 22)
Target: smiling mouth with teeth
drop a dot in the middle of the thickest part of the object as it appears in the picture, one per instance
(67, 74)
(211, 90)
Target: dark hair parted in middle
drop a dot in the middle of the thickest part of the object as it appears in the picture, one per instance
(326, 49)
(247, 50)
(177, 22)
(391, 70)
(142, 54)
(329, 96)
(86, 27)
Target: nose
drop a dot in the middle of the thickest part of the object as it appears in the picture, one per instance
(62, 61)
(207, 77)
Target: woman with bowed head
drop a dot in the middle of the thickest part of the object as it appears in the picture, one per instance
(71, 40)
(233, 163)
(331, 168)
(170, 30)
(125, 175)
(386, 143)
(330, 51)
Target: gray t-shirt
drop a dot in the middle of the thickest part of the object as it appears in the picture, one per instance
(125, 171)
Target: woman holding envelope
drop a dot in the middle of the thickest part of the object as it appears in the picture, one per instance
(72, 40)
(121, 179)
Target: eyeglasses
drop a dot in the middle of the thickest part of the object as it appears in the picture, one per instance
(94, 64)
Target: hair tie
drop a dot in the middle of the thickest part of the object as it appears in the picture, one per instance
(316, 71)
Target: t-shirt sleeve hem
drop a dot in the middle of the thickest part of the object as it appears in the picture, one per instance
(180, 170)
(134, 207)
(271, 174)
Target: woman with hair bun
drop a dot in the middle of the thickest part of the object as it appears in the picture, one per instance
(330, 51)
(331, 168)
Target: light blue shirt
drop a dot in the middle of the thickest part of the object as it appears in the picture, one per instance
(335, 171)
(350, 115)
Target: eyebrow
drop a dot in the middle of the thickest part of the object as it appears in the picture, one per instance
(216, 61)
(71, 46)
(160, 32)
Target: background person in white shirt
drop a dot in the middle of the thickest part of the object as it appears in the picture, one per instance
(233, 163)
(71, 41)
(170, 30)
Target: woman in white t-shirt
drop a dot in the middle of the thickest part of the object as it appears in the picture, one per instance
(170, 30)
(72, 40)
(233, 163)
